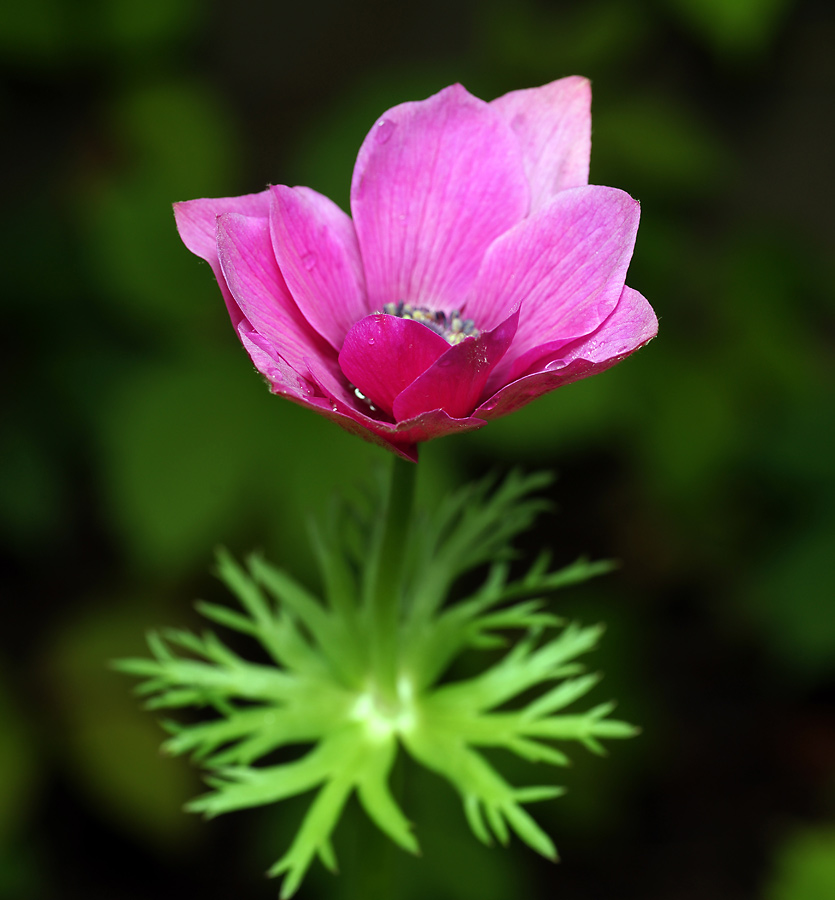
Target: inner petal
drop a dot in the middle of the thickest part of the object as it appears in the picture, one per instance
(383, 354)
(455, 382)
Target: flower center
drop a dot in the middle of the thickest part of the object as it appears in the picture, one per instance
(382, 718)
(452, 328)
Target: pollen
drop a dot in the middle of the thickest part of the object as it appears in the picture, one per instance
(452, 328)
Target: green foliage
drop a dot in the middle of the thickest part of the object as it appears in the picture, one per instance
(107, 746)
(733, 27)
(804, 867)
(323, 685)
(18, 769)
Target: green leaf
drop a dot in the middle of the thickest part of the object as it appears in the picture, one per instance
(324, 689)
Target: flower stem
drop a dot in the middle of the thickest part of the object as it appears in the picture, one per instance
(386, 587)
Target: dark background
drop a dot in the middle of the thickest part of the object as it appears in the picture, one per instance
(136, 437)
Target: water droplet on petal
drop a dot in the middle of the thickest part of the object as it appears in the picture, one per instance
(370, 341)
(309, 261)
(383, 130)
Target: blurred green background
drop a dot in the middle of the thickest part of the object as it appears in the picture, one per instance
(136, 436)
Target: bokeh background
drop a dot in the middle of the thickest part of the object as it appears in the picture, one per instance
(136, 437)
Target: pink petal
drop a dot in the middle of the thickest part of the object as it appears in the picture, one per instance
(553, 126)
(434, 184)
(285, 382)
(632, 324)
(283, 379)
(317, 251)
(402, 438)
(197, 224)
(250, 270)
(565, 265)
(382, 355)
(455, 382)
(430, 425)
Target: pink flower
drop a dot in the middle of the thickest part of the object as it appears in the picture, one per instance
(479, 271)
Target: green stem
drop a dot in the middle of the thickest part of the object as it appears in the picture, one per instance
(386, 586)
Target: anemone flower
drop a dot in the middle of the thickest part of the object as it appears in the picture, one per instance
(478, 269)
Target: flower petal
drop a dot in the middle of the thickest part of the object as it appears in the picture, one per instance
(430, 425)
(632, 324)
(553, 126)
(285, 382)
(566, 265)
(401, 438)
(282, 378)
(434, 184)
(255, 282)
(197, 224)
(316, 248)
(383, 355)
(456, 380)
